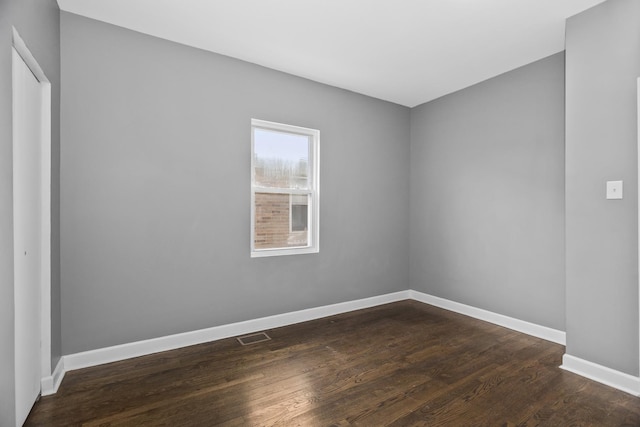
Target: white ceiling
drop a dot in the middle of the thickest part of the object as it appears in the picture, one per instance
(404, 51)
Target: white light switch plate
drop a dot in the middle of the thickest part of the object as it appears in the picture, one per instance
(614, 189)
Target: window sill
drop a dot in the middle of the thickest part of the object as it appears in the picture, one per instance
(261, 253)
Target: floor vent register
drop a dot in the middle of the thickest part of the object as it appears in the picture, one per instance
(254, 338)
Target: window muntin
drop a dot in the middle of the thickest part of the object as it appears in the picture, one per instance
(284, 189)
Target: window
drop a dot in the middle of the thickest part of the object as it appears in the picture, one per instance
(284, 189)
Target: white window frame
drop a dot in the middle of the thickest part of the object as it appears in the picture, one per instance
(313, 210)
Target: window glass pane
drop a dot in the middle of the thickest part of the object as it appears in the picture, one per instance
(299, 212)
(272, 222)
(281, 159)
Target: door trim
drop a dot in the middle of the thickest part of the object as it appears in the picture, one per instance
(45, 220)
(638, 170)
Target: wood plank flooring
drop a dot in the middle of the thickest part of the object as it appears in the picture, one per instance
(400, 364)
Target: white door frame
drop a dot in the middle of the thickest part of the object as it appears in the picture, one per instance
(45, 220)
(638, 170)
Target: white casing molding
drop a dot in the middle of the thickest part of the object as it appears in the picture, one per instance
(602, 374)
(638, 169)
(528, 328)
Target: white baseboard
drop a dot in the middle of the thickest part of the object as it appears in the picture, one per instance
(171, 342)
(590, 370)
(141, 348)
(602, 374)
(532, 329)
(49, 385)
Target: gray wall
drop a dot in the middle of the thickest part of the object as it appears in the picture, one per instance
(487, 195)
(603, 63)
(38, 23)
(155, 190)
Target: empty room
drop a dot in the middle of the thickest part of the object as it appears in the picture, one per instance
(182, 241)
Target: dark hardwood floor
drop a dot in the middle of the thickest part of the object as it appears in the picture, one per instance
(401, 364)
